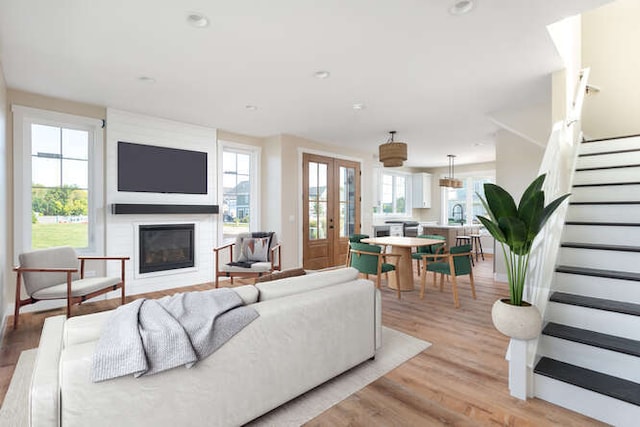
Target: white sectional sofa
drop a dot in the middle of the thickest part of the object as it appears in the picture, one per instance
(311, 328)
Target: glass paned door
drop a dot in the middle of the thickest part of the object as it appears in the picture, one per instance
(347, 201)
(331, 209)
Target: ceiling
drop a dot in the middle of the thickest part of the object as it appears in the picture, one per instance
(435, 78)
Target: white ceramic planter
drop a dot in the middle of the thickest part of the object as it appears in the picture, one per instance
(520, 322)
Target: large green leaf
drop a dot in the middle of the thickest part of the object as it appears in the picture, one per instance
(531, 190)
(550, 208)
(493, 228)
(500, 202)
(515, 232)
(486, 207)
(530, 212)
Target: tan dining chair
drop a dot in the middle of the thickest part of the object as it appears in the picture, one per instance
(455, 263)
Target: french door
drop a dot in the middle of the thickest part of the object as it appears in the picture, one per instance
(331, 209)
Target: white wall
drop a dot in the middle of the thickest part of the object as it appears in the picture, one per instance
(610, 44)
(517, 164)
(122, 230)
(5, 249)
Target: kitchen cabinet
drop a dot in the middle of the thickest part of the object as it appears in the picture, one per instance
(421, 190)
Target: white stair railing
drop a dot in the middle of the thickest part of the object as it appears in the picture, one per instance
(559, 164)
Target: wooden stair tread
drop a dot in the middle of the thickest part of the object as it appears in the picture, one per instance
(605, 184)
(600, 247)
(613, 202)
(608, 385)
(596, 303)
(604, 153)
(609, 274)
(604, 224)
(595, 339)
(612, 138)
(596, 168)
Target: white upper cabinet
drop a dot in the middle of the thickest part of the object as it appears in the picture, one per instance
(421, 190)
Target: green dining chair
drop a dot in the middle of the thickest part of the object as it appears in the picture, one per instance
(354, 238)
(369, 259)
(429, 250)
(455, 263)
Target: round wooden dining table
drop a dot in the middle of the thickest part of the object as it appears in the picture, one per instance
(402, 246)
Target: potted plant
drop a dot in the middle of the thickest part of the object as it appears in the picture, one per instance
(515, 228)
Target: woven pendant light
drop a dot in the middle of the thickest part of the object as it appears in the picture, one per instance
(392, 153)
(450, 180)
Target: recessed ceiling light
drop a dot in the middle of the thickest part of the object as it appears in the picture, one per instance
(251, 107)
(478, 144)
(197, 20)
(146, 79)
(358, 106)
(460, 7)
(321, 74)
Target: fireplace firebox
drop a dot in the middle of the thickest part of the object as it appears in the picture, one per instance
(166, 247)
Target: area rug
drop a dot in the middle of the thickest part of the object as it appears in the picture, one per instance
(397, 348)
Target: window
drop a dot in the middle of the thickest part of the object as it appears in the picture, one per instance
(392, 194)
(239, 189)
(462, 205)
(58, 180)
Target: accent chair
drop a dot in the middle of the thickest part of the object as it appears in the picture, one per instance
(52, 273)
(251, 255)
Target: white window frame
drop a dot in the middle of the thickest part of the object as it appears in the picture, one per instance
(378, 174)
(254, 182)
(23, 118)
(466, 178)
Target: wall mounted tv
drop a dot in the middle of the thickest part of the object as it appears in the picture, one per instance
(147, 168)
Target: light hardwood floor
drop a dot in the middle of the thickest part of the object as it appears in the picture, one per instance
(460, 380)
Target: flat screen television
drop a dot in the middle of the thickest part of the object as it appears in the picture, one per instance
(152, 169)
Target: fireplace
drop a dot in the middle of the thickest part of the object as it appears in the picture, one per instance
(166, 247)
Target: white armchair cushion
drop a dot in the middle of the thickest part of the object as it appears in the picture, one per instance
(60, 257)
(256, 267)
(78, 288)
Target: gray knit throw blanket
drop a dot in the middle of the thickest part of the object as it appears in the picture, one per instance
(148, 336)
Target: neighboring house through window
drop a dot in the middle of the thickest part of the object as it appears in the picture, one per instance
(239, 207)
(57, 181)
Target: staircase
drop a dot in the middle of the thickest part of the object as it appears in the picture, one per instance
(589, 350)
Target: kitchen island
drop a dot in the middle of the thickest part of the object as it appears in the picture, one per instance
(450, 232)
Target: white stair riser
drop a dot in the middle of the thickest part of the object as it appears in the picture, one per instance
(603, 176)
(626, 236)
(604, 213)
(595, 405)
(598, 287)
(602, 260)
(604, 160)
(606, 322)
(609, 193)
(594, 358)
(610, 145)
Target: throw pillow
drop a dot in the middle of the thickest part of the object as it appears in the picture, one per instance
(254, 249)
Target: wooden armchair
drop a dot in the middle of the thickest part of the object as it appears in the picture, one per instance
(456, 263)
(53, 274)
(369, 259)
(251, 255)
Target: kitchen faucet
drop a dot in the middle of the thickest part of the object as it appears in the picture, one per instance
(453, 213)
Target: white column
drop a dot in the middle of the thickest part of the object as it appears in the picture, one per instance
(518, 374)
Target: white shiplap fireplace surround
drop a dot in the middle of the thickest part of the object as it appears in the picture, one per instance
(122, 230)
